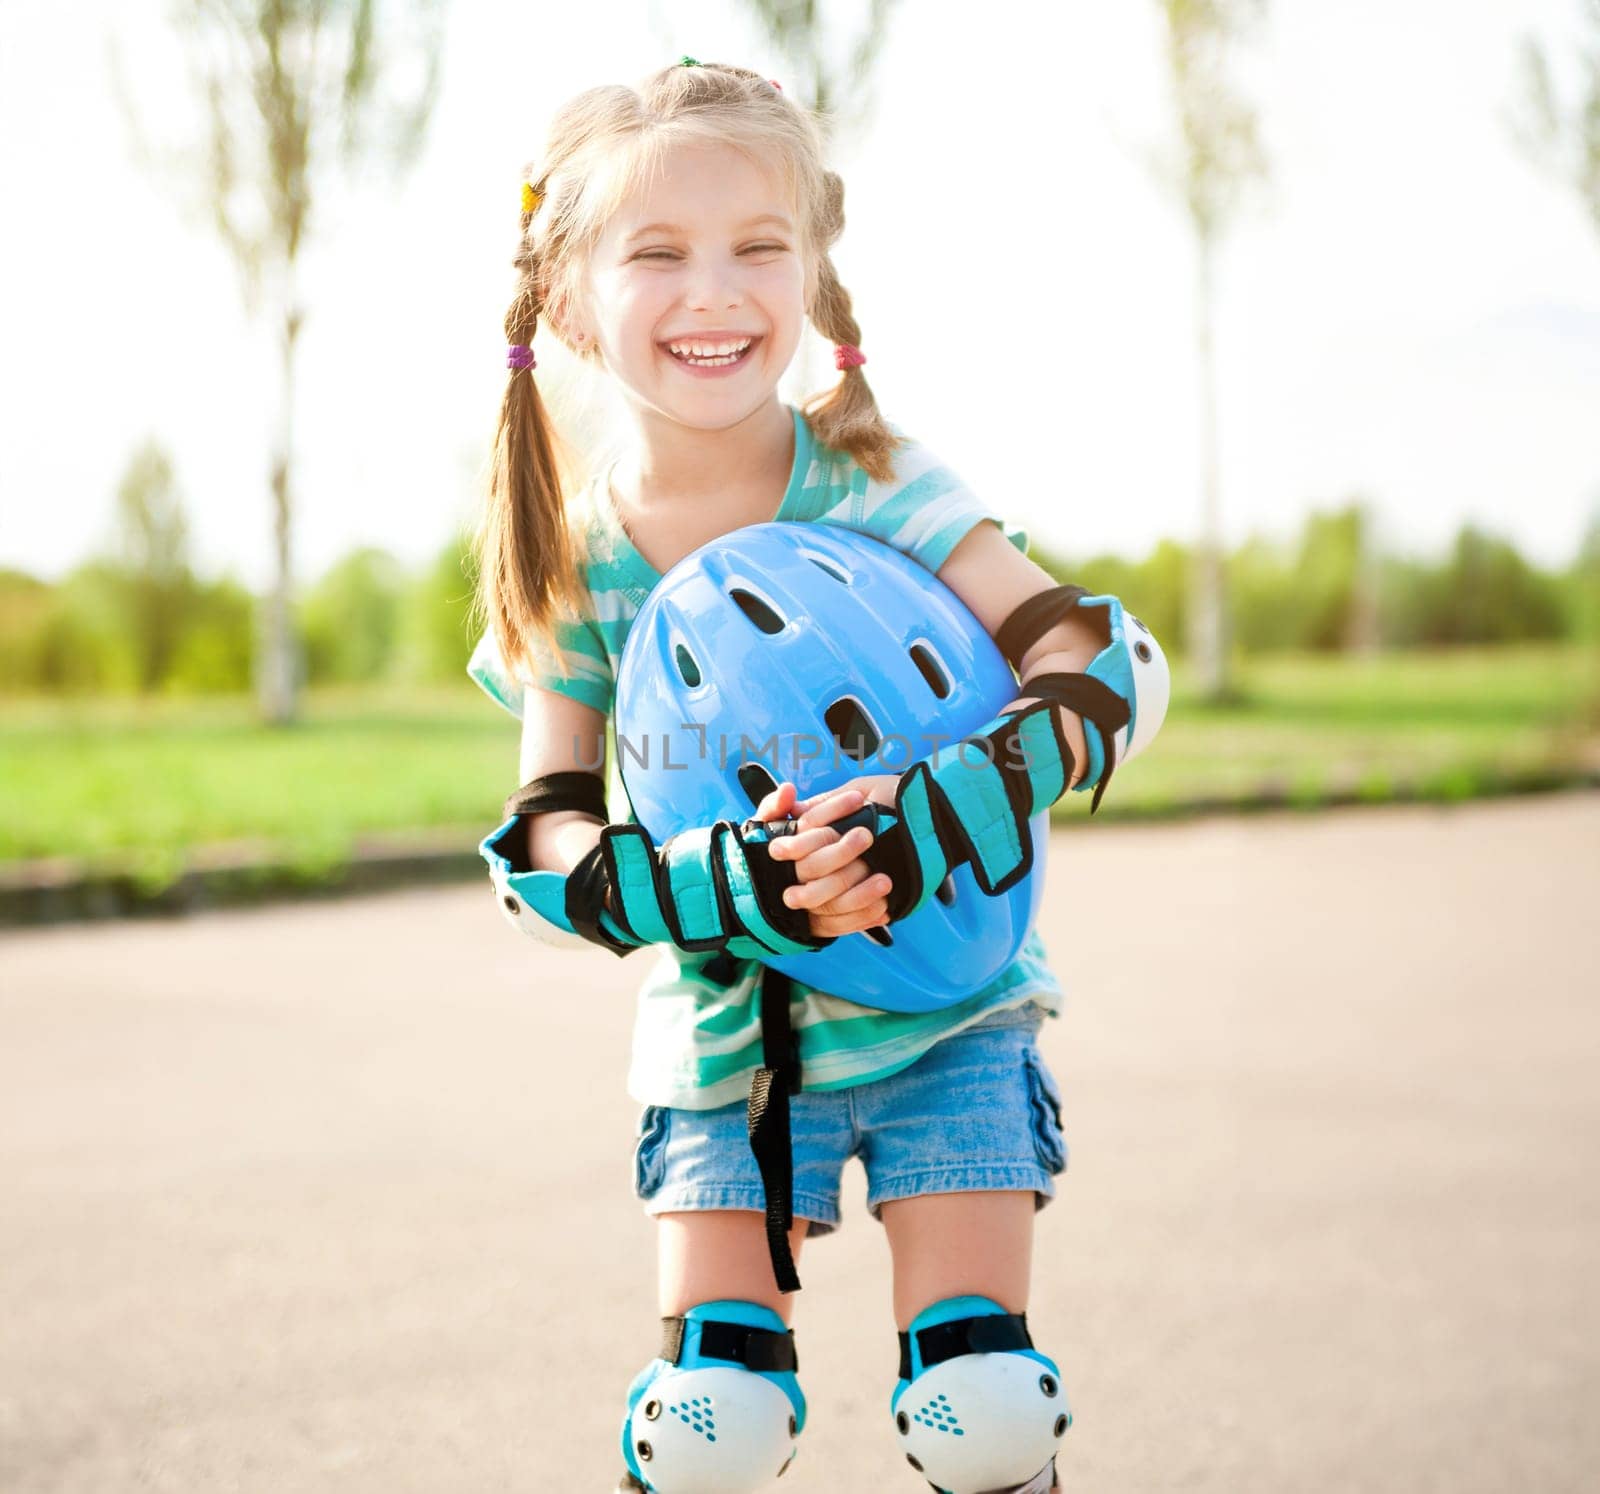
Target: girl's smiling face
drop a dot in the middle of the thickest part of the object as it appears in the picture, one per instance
(696, 290)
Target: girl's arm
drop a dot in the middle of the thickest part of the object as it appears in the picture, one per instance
(992, 577)
(560, 735)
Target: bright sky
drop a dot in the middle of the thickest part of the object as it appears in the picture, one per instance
(1412, 313)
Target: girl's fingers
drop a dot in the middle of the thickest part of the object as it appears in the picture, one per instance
(814, 895)
(800, 844)
(832, 925)
(806, 837)
(869, 892)
(826, 808)
(830, 891)
(830, 857)
(801, 805)
(804, 845)
(851, 846)
(773, 806)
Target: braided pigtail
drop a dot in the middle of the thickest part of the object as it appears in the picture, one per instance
(846, 417)
(527, 557)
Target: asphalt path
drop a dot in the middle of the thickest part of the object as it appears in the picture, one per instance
(338, 1196)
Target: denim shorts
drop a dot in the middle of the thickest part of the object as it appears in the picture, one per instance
(980, 1110)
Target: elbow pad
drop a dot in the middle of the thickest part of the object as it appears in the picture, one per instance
(1131, 666)
(535, 902)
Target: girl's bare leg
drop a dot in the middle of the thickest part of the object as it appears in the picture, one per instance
(716, 1255)
(959, 1245)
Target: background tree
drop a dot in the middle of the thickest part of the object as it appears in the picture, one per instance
(435, 636)
(1565, 140)
(297, 92)
(153, 549)
(1583, 588)
(1218, 155)
(25, 606)
(816, 73)
(1482, 592)
(351, 618)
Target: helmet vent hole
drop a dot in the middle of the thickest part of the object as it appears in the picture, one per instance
(686, 665)
(946, 892)
(932, 670)
(1142, 649)
(880, 936)
(828, 566)
(757, 611)
(757, 782)
(852, 728)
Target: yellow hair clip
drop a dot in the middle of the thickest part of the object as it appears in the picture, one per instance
(530, 198)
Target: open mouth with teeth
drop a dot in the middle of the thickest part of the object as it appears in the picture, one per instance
(719, 353)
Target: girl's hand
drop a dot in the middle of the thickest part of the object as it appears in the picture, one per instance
(839, 893)
(877, 787)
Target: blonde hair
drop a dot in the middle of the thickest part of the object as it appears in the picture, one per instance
(602, 144)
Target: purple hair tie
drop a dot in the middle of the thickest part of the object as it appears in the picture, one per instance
(518, 356)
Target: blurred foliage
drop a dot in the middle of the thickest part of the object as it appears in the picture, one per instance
(367, 619)
(142, 622)
(349, 620)
(1484, 593)
(1584, 587)
(1331, 590)
(72, 638)
(835, 86)
(153, 551)
(1564, 136)
(83, 635)
(214, 649)
(434, 640)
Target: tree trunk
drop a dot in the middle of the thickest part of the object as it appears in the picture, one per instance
(1208, 642)
(278, 674)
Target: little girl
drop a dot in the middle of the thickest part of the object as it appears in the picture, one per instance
(677, 236)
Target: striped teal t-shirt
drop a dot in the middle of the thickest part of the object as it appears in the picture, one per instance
(697, 1033)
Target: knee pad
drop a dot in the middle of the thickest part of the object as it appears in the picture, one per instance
(720, 1410)
(978, 1408)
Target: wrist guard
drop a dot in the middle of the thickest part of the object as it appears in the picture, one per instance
(972, 805)
(711, 887)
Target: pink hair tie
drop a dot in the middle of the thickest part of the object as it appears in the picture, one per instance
(846, 356)
(518, 356)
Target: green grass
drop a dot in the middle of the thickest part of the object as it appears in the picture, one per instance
(144, 783)
(158, 778)
(1310, 729)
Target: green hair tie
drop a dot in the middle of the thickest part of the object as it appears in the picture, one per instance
(688, 62)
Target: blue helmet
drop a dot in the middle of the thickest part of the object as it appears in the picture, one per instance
(816, 653)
